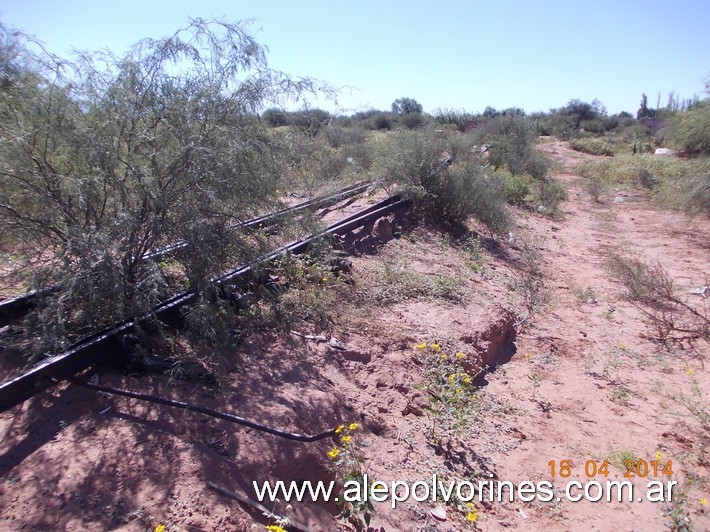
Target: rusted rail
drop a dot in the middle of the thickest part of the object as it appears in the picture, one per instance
(98, 346)
(15, 308)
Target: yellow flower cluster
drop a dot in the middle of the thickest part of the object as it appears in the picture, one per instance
(345, 438)
(472, 514)
(275, 528)
(333, 453)
(465, 378)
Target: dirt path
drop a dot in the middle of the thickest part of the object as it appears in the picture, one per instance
(587, 385)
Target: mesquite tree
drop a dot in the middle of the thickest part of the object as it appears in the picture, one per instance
(105, 158)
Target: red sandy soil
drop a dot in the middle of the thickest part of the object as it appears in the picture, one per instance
(580, 381)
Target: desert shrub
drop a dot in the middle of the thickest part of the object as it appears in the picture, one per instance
(530, 280)
(516, 189)
(309, 120)
(462, 120)
(562, 126)
(331, 165)
(275, 117)
(361, 153)
(512, 139)
(414, 159)
(689, 194)
(412, 120)
(626, 168)
(381, 121)
(689, 131)
(671, 318)
(552, 193)
(537, 166)
(595, 186)
(595, 125)
(647, 180)
(338, 136)
(593, 146)
(470, 192)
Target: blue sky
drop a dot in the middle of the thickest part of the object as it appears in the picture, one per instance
(448, 53)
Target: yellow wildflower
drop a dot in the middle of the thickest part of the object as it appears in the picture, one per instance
(622, 347)
(333, 453)
(345, 439)
(275, 528)
(339, 429)
(658, 456)
(472, 516)
(690, 371)
(324, 279)
(159, 528)
(353, 427)
(466, 379)
(420, 346)
(527, 355)
(704, 502)
(452, 378)
(460, 355)
(443, 357)
(436, 347)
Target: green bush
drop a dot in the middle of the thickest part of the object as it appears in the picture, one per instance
(626, 168)
(552, 193)
(338, 136)
(462, 120)
(689, 194)
(512, 139)
(516, 189)
(689, 131)
(413, 159)
(469, 192)
(595, 187)
(682, 184)
(412, 120)
(110, 157)
(275, 117)
(382, 121)
(593, 146)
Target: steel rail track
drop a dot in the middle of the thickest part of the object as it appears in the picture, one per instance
(100, 345)
(15, 308)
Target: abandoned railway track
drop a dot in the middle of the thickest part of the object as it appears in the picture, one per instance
(101, 345)
(15, 308)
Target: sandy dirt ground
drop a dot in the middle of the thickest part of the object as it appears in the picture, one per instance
(579, 381)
